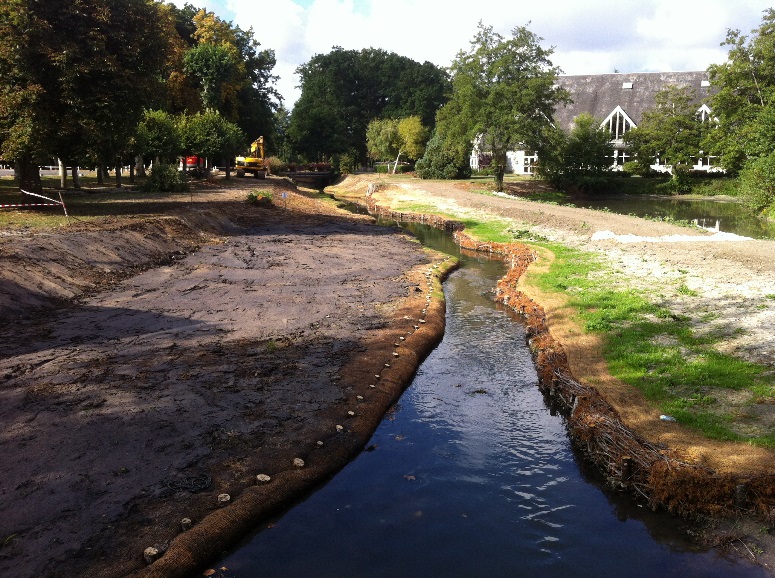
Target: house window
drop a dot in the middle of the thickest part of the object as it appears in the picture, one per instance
(529, 162)
(703, 113)
(618, 124)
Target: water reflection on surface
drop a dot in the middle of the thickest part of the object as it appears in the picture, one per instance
(472, 476)
(730, 217)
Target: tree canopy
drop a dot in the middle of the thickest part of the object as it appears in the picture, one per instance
(671, 131)
(745, 95)
(344, 90)
(76, 76)
(504, 93)
(79, 76)
(580, 161)
(391, 138)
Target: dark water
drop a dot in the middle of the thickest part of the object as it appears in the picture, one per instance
(472, 476)
(730, 217)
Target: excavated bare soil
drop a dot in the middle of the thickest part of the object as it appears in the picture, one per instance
(153, 363)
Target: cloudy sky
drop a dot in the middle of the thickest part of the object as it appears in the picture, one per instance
(590, 37)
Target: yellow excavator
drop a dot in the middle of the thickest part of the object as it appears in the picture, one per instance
(253, 162)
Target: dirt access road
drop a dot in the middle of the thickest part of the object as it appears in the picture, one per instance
(193, 348)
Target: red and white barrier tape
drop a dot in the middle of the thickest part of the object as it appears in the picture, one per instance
(53, 203)
(31, 205)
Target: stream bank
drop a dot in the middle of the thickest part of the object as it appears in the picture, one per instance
(654, 468)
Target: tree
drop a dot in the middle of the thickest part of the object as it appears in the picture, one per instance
(757, 184)
(344, 90)
(745, 89)
(76, 77)
(504, 92)
(388, 138)
(158, 136)
(438, 162)
(212, 65)
(671, 131)
(210, 135)
(581, 160)
(382, 139)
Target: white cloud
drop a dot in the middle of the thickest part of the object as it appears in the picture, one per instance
(589, 37)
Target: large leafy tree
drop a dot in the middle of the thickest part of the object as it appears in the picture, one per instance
(210, 135)
(234, 74)
(158, 136)
(581, 160)
(745, 95)
(213, 66)
(392, 138)
(76, 77)
(344, 90)
(670, 131)
(504, 94)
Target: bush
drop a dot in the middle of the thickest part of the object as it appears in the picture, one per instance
(276, 166)
(638, 169)
(259, 198)
(439, 163)
(347, 163)
(757, 184)
(165, 179)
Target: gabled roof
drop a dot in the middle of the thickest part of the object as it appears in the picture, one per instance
(600, 94)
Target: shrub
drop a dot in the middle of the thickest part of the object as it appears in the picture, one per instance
(276, 166)
(165, 179)
(441, 163)
(347, 163)
(259, 198)
(757, 184)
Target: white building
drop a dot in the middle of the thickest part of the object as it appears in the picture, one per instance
(620, 100)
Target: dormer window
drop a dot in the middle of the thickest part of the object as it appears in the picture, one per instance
(626, 85)
(618, 123)
(704, 83)
(703, 113)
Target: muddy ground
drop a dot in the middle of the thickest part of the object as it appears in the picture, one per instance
(207, 341)
(151, 364)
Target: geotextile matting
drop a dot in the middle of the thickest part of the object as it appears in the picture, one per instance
(398, 361)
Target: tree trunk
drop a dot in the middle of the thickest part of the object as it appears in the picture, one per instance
(76, 178)
(395, 165)
(499, 168)
(62, 175)
(139, 166)
(131, 174)
(29, 177)
(118, 174)
(100, 174)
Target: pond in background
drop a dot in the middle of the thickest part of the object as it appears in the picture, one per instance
(471, 475)
(726, 216)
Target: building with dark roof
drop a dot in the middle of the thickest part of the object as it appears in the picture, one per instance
(619, 101)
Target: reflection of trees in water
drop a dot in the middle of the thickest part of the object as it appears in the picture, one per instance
(733, 217)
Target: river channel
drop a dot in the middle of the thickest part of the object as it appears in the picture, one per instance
(471, 475)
